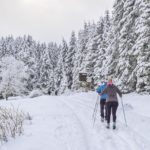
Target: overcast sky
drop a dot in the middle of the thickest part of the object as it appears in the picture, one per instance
(48, 20)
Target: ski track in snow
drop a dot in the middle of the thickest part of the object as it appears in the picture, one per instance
(65, 123)
(124, 138)
(82, 140)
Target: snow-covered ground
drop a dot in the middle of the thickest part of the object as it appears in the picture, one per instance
(65, 123)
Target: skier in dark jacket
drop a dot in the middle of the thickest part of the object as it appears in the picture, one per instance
(103, 98)
(112, 101)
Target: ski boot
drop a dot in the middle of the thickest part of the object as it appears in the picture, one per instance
(114, 125)
(102, 119)
(108, 126)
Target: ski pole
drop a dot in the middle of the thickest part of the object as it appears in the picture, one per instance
(123, 112)
(95, 110)
(94, 115)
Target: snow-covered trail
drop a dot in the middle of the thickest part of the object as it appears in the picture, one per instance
(124, 138)
(54, 126)
(65, 123)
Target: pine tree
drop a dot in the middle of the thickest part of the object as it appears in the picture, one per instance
(70, 60)
(142, 46)
(60, 74)
(103, 36)
(126, 41)
(62, 61)
(53, 57)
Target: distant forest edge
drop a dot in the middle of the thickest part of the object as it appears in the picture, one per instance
(116, 45)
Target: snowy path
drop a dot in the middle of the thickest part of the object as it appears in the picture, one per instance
(102, 138)
(65, 123)
(54, 126)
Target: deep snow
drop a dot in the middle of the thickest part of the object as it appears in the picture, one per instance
(65, 123)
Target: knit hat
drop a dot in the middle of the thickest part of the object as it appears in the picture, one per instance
(110, 81)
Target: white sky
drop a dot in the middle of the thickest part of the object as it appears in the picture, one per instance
(48, 20)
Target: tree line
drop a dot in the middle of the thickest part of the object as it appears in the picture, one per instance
(117, 45)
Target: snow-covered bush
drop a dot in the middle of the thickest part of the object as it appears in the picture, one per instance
(11, 123)
(13, 77)
(36, 93)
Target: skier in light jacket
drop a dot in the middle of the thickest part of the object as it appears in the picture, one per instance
(103, 98)
(112, 101)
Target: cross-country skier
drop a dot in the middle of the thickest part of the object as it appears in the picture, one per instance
(103, 97)
(112, 101)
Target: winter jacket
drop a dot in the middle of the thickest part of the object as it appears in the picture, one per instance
(100, 89)
(111, 91)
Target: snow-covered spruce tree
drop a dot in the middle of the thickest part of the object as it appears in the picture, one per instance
(82, 56)
(107, 33)
(103, 39)
(17, 47)
(6, 46)
(53, 51)
(112, 54)
(2, 47)
(93, 49)
(25, 51)
(13, 77)
(127, 58)
(79, 55)
(114, 43)
(142, 46)
(29, 59)
(70, 60)
(63, 59)
(35, 76)
(130, 45)
(83, 38)
(76, 69)
(60, 74)
(126, 40)
(45, 67)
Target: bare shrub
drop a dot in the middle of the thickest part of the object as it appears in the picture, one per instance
(11, 122)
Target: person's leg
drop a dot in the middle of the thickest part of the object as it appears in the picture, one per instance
(114, 110)
(105, 109)
(102, 109)
(103, 105)
(108, 113)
